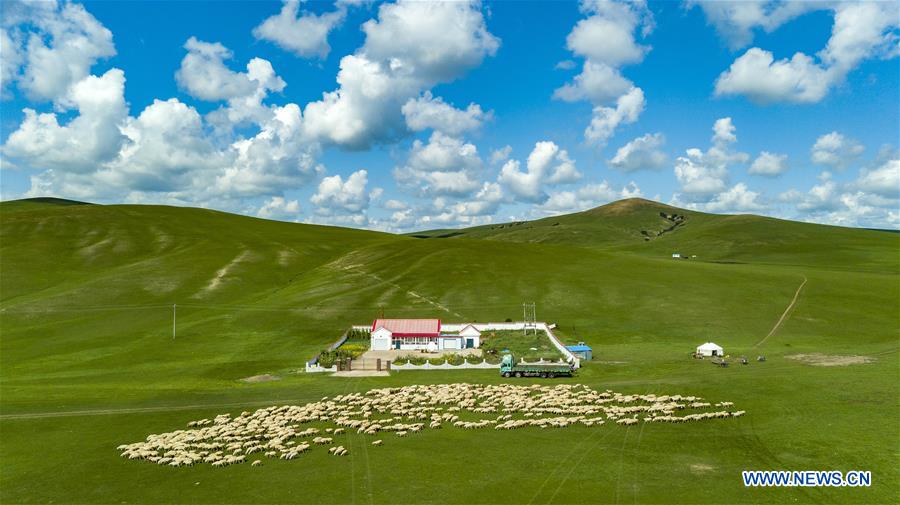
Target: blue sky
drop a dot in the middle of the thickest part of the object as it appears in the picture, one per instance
(454, 114)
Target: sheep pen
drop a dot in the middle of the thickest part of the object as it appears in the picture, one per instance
(284, 432)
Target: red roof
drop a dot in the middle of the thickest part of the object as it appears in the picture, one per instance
(410, 327)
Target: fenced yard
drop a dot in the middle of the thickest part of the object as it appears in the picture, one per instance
(353, 344)
(496, 340)
(531, 347)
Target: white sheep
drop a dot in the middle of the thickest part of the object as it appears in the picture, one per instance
(276, 431)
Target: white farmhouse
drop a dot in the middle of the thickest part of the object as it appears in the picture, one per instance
(421, 334)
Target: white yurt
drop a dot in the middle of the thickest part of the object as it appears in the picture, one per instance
(710, 349)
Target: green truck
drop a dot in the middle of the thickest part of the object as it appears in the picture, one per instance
(509, 368)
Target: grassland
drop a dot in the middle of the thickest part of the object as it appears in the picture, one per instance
(88, 362)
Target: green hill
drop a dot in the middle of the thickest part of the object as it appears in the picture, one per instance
(622, 222)
(88, 360)
(30, 204)
(651, 228)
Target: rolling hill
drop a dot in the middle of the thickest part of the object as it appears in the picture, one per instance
(646, 227)
(88, 360)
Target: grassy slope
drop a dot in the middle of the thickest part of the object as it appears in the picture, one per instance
(86, 296)
(739, 238)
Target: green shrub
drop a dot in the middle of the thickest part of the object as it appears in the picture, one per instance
(415, 360)
(455, 359)
(353, 350)
(492, 359)
(356, 334)
(347, 351)
(436, 361)
(327, 359)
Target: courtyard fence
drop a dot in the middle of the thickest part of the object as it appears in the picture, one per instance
(443, 366)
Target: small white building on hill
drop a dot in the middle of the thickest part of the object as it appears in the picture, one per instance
(710, 349)
(421, 334)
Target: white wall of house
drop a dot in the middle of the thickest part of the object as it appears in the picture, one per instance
(450, 343)
(381, 340)
(414, 347)
(470, 334)
(469, 331)
(482, 326)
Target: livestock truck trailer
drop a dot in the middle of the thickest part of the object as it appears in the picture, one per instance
(509, 368)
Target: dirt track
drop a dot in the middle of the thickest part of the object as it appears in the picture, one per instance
(784, 315)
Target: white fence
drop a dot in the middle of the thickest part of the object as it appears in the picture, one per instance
(575, 360)
(571, 358)
(548, 328)
(443, 366)
(316, 368)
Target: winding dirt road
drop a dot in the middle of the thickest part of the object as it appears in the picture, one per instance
(784, 315)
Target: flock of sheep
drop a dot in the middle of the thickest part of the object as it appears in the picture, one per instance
(284, 431)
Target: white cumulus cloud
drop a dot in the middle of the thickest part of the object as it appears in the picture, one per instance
(587, 196)
(736, 21)
(203, 73)
(279, 207)
(606, 41)
(547, 165)
(702, 175)
(445, 165)
(769, 164)
(872, 200)
(427, 112)
(500, 155)
(337, 196)
(409, 48)
(47, 47)
(606, 119)
(597, 83)
(883, 180)
(306, 34)
(835, 150)
(642, 153)
(92, 137)
(737, 199)
(861, 30)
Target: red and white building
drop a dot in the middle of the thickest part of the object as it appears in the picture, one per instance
(421, 334)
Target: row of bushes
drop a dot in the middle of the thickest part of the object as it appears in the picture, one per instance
(358, 334)
(327, 359)
(346, 351)
(453, 359)
(354, 346)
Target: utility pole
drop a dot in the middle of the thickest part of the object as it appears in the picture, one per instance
(173, 320)
(530, 317)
